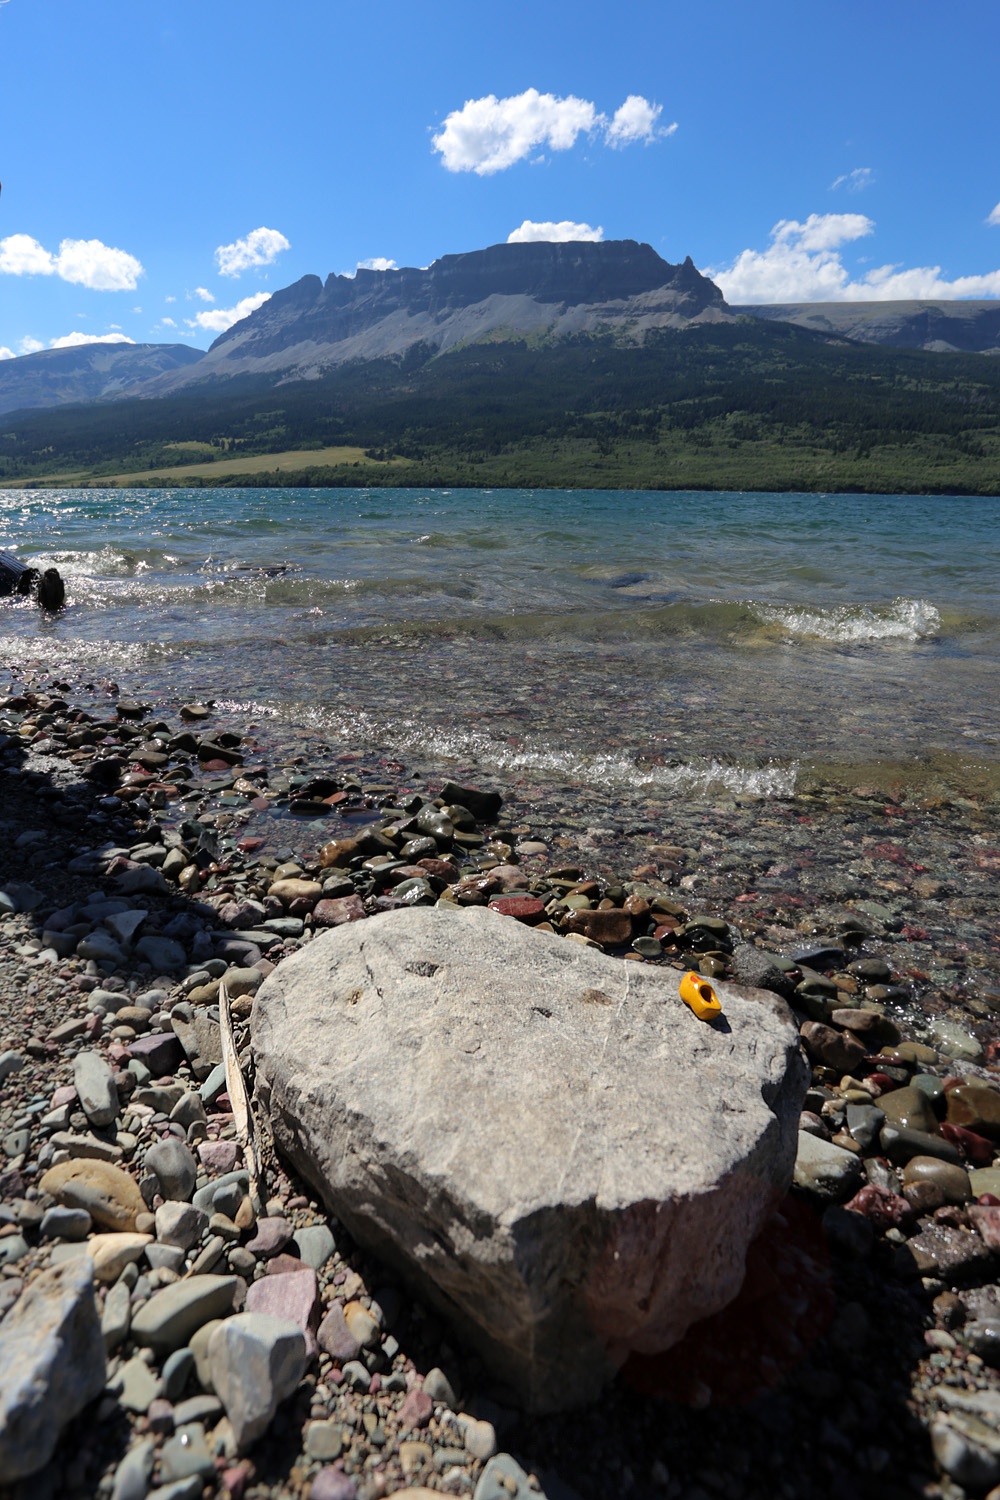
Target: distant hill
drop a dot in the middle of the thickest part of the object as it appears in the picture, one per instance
(940, 327)
(536, 291)
(86, 372)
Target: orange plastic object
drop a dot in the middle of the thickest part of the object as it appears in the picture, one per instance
(701, 997)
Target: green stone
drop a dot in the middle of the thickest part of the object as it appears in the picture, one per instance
(985, 1180)
(909, 1108)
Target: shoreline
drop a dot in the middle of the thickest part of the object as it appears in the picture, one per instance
(866, 1320)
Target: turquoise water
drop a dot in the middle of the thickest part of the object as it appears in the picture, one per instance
(682, 641)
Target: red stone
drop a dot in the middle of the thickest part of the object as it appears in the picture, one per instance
(522, 908)
(291, 1294)
(975, 1148)
(416, 1410)
(336, 910)
(886, 1210)
(612, 927)
(440, 867)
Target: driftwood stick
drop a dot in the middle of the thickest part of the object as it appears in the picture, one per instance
(243, 1116)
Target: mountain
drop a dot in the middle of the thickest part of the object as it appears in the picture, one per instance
(534, 291)
(940, 327)
(86, 372)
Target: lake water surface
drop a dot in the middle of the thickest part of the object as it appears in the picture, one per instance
(685, 642)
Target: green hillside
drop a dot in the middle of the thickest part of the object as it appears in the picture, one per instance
(750, 405)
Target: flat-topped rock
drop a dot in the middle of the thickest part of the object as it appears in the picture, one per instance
(545, 1140)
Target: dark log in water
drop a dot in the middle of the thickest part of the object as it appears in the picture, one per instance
(17, 577)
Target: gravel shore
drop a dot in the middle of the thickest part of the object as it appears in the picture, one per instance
(861, 1354)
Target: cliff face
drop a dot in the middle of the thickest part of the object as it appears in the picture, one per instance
(86, 372)
(941, 327)
(537, 290)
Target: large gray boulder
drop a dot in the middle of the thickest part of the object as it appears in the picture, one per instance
(544, 1140)
(51, 1365)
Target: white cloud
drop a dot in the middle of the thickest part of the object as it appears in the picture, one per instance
(73, 340)
(377, 263)
(804, 263)
(261, 247)
(489, 135)
(6, 353)
(168, 323)
(174, 299)
(88, 263)
(98, 266)
(854, 182)
(221, 318)
(530, 232)
(28, 345)
(635, 120)
(994, 216)
(201, 292)
(20, 255)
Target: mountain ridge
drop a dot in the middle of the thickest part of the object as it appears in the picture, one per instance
(543, 289)
(86, 372)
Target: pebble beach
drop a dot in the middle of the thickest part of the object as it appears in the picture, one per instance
(163, 829)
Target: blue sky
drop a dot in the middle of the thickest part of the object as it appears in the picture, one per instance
(166, 164)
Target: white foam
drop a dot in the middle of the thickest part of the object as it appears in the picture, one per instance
(702, 774)
(906, 620)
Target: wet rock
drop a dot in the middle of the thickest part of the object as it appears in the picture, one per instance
(833, 1049)
(953, 1181)
(753, 966)
(901, 1144)
(909, 1108)
(482, 993)
(951, 1253)
(611, 928)
(975, 1107)
(52, 1365)
(825, 1170)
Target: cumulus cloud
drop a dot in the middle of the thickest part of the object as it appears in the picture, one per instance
(20, 255)
(202, 293)
(854, 182)
(72, 340)
(29, 345)
(102, 268)
(532, 231)
(221, 318)
(489, 135)
(635, 120)
(6, 353)
(88, 263)
(168, 323)
(261, 247)
(804, 263)
(377, 263)
(994, 216)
